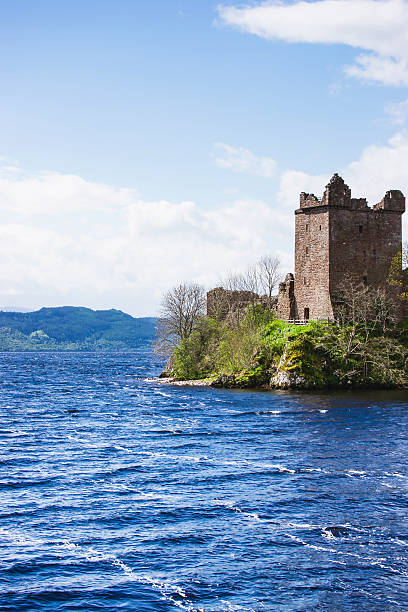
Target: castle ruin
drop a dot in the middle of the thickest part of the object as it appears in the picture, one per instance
(336, 237)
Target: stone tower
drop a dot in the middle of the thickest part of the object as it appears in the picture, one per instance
(338, 236)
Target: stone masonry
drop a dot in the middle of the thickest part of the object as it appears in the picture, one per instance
(335, 237)
(223, 303)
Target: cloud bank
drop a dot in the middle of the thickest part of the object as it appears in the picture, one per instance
(66, 240)
(379, 27)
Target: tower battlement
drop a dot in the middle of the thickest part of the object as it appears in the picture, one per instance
(337, 194)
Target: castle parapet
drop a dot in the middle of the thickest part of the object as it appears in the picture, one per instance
(308, 199)
(393, 200)
(337, 193)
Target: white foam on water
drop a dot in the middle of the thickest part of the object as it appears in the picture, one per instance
(81, 440)
(369, 560)
(311, 470)
(301, 525)
(352, 473)
(271, 524)
(235, 607)
(399, 542)
(166, 589)
(396, 474)
(280, 468)
(322, 411)
(326, 533)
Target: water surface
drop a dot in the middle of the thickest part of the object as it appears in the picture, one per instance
(122, 494)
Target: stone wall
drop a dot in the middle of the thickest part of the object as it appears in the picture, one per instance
(286, 305)
(222, 303)
(312, 290)
(340, 236)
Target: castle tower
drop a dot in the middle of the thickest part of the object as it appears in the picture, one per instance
(338, 236)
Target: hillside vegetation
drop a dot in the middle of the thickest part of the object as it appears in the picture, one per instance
(73, 328)
(261, 350)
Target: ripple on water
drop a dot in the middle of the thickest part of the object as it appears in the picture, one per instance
(118, 494)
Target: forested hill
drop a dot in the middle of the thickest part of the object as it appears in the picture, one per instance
(73, 328)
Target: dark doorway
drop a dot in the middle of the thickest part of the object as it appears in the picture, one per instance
(306, 314)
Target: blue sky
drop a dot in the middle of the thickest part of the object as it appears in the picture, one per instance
(144, 143)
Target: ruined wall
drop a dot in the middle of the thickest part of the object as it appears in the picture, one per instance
(336, 237)
(222, 303)
(286, 304)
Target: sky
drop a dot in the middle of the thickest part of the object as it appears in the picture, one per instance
(144, 143)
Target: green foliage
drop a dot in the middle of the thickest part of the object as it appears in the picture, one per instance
(398, 273)
(71, 328)
(250, 352)
(193, 357)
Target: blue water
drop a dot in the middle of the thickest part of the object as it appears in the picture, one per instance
(117, 493)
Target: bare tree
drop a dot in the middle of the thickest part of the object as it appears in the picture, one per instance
(181, 308)
(268, 275)
(365, 307)
(363, 341)
(243, 281)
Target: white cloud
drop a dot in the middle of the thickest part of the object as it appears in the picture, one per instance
(56, 193)
(377, 26)
(127, 251)
(77, 249)
(293, 182)
(378, 169)
(244, 161)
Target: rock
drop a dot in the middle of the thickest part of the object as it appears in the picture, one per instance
(225, 381)
(285, 377)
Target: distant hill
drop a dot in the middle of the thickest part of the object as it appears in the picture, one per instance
(73, 328)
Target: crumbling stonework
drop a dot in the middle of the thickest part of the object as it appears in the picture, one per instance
(339, 236)
(222, 303)
(286, 304)
(336, 237)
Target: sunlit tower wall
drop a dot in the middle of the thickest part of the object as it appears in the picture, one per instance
(338, 236)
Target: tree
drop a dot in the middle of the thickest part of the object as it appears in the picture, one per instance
(358, 340)
(259, 278)
(243, 281)
(181, 309)
(268, 269)
(360, 306)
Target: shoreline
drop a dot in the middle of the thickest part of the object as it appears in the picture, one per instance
(204, 382)
(209, 382)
